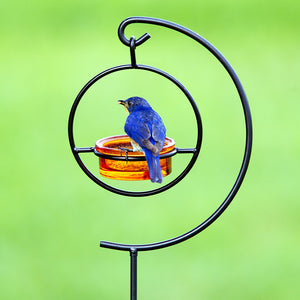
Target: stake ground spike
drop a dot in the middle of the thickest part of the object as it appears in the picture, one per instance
(132, 43)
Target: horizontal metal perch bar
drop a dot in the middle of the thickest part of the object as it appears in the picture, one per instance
(130, 158)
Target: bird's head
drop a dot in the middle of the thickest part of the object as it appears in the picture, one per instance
(134, 104)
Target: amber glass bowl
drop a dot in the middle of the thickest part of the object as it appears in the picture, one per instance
(128, 169)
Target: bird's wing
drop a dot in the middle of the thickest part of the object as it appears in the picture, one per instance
(158, 129)
(136, 128)
(148, 131)
(158, 132)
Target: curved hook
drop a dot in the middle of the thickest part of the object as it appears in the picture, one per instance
(125, 23)
(248, 123)
(154, 21)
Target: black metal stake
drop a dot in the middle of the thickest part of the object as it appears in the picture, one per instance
(132, 43)
(133, 273)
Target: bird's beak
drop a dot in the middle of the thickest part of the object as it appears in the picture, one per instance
(121, 102)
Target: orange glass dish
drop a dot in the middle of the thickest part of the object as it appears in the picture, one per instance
(128, 169)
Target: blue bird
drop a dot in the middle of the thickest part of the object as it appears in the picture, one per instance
(147, 133)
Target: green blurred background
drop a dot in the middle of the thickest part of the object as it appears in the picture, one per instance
(52, 216)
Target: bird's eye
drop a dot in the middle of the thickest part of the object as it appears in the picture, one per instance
(130, 103)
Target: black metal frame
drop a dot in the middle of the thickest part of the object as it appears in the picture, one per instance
(76, 150)
(133, 43)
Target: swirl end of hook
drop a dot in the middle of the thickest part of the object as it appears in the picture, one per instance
(123, 38)
(146, 36)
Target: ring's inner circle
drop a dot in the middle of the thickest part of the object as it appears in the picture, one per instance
(101, 116)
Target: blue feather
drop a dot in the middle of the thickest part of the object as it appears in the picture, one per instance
(153, 166)
(146, 128)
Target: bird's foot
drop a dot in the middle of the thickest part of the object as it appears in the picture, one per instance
(126, 150)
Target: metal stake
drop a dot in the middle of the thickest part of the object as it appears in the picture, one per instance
(133, 273)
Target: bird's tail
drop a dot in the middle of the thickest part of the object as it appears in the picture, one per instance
(153, 166)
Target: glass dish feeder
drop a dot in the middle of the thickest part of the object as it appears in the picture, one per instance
(115, 163)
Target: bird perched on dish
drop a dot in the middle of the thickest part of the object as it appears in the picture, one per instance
(147, 133)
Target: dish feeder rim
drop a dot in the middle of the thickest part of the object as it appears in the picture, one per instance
(168, 150)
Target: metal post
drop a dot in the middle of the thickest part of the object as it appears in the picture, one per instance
(133, 274)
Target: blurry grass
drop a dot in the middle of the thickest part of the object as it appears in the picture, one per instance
(53, 216)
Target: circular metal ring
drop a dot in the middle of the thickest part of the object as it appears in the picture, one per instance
(195, 153)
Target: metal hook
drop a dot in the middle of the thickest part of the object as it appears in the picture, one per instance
(122, 36)
(132, 51)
